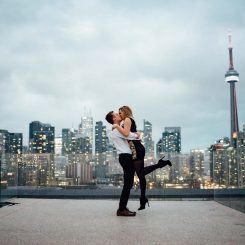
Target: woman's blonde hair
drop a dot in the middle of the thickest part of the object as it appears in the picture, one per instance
(127, 111)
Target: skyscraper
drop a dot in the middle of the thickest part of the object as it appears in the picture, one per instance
(58, 145)
(147, 137)
(171, 139)
(41, 145)
(41, 137)
(74, 143)
(10, 155)
(170, 145)
(223, 164)
(101, 141)
(4, 142)
(197, 166)
(231, 77)
(10, 142)
(85, 130)
(241, 159)
(159, 147)
(68, 141)
(100, 138)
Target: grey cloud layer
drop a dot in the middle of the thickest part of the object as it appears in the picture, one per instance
(166, 59)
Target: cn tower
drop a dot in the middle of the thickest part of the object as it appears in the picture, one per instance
(231, 77)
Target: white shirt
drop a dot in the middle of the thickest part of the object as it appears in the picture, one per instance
(120, 142)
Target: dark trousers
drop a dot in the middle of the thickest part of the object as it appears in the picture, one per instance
(126, 162)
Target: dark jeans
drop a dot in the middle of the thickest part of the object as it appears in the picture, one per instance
(126, 162)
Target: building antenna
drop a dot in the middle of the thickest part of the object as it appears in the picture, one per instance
(231, 77)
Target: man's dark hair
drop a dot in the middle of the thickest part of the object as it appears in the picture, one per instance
(109, 117)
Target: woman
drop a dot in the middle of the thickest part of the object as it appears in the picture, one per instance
(138, 152)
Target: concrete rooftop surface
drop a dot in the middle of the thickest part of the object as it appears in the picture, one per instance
(69, 221)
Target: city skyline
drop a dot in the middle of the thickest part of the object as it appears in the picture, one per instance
(170, 63)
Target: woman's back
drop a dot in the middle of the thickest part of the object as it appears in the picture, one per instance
(133, 128)
(137, 148)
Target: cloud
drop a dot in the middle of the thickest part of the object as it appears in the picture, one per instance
(166, 60)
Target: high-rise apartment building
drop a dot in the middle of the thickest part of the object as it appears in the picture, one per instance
(74, 143)
(42, 149)
(197, 166)
(37, 169)
(170, 141)
(159, 147)
(10, 156)
(83, 145)
(240, 151)
(41, 137)
(4, 141)
(101, 141)
(10, 143)
(100, 138)
(68, 141)
(224, 164)
(15, 143)
(170, 145)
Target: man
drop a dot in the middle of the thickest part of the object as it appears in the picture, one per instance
(125, 160)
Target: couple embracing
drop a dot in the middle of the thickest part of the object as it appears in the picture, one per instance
(131, 153)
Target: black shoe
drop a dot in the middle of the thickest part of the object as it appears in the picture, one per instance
(143, 201)
(125, 212)
(162, 163)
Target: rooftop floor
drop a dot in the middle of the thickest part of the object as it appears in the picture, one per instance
(69, 221)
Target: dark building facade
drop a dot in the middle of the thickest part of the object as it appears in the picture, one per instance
(170, 146)
(41, 137)
(68, 141)
(225, 164)
(170, 141)
(101, 143)
(147, 137)
(15, 143)
(11, 145)
(159, 147)
(100, 138)
(74, 143)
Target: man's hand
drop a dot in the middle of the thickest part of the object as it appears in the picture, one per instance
(115, 126)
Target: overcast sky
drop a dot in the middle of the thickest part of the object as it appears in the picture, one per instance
(165, 59)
